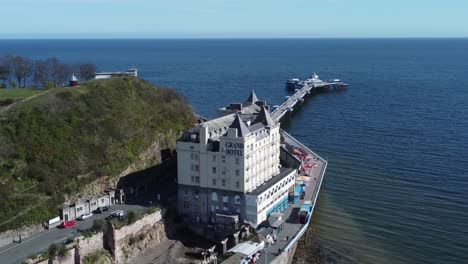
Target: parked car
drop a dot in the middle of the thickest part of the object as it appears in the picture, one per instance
(66, 224)
(85, 216)
(101, 209)
(115, 214)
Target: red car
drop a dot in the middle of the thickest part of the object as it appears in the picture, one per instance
(66, 224)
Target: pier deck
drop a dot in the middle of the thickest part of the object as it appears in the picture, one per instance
(292, 229)
(298, 96)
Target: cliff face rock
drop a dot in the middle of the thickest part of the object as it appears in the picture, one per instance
(54, 145)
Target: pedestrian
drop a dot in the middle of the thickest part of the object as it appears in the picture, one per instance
(287, 238)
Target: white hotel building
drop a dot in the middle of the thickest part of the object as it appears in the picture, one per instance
(230, 167)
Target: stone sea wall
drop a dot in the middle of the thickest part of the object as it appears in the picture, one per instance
(124, 244)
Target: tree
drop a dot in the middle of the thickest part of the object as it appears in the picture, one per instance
(42, 72)
(87, 71)
(65, 72)
(5, 68)
(23, 68)
(3, 75)
(55, 69)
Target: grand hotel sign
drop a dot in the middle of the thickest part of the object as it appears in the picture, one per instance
(234, 148)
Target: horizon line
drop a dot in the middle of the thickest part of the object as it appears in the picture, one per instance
(226, 38)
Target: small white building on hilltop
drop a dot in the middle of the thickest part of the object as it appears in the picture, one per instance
(133, 71)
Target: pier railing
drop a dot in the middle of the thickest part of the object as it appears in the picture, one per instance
(290, 102)
(296, 142)
(316, 190)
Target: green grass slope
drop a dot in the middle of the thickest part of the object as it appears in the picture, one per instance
(56, 143)
(18, 92)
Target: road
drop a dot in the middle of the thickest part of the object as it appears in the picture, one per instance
(40, 242)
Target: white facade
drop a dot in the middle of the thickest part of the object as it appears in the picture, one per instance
(275, 198)
(241, 164)
(106, 75)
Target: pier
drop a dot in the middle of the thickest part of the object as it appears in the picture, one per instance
(310, 172)
(298, 96)
(314, 166)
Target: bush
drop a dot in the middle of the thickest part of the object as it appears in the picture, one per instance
(132, 217)
(99, 225)
(135, 239)
(47, 85)
(102, 256)
(53, 250)
(62, 251)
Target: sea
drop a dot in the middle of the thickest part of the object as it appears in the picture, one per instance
(396, 188)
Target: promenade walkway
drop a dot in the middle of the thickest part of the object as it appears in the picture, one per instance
(292, 229)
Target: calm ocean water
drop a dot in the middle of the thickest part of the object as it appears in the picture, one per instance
(396, 189)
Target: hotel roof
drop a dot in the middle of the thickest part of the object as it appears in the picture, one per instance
(274, 180)
(241, 127)
(264, 118)
(252, 98)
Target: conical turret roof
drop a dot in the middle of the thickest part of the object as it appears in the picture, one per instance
(242, 129)
(252, 98)
(264, 117)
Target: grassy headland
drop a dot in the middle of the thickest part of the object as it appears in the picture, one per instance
(18, 92)
(53, 145)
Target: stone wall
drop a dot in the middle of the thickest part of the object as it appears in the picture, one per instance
(285, 257)
(146, 232)
(69, 258)
(88, 245)
(11, 236)
(133, 239)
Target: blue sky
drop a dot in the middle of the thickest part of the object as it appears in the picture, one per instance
(232, 18)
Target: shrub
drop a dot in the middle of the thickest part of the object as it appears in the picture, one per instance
(99, 225)
(132, 217)
(53, 250)
(62, 251)
(48, 84)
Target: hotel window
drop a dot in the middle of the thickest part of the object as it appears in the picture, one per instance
(196, 167)
(214, 181)
(237, 172)
(223, 159)
(192, 178)
(214, 170)
(197, 179)
(237, 161)
(237, 185)
(192, 167)
(223, 182)
(214, 158)
(237, 199)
